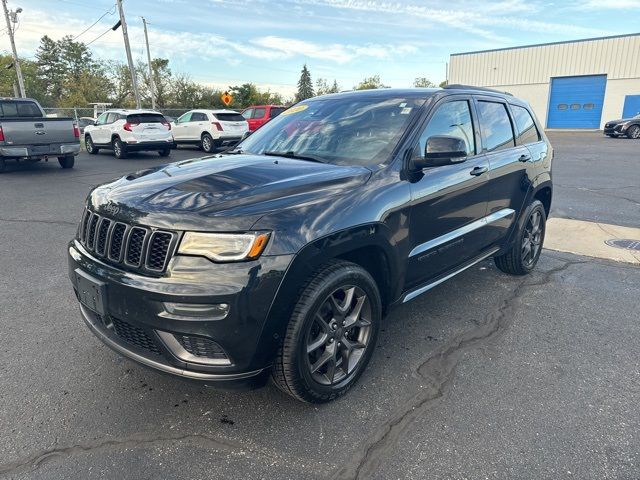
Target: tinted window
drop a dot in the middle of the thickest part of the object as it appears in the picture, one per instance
(198, 117)
(19, 109)
(275, 111)
(258, 113)
(229, 117)
(247, 113)
(83, 122)
(146, 118)
(454, 120)
(526, 125)
(497, 132)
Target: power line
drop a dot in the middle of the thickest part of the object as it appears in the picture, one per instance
(111, 11)
(98, 37)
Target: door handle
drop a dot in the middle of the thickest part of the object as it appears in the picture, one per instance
(478, 171)
(524, 158)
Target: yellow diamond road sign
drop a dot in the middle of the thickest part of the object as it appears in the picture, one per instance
(226, 98)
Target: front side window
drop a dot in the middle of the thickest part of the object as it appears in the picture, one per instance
(497, 132)
(247, 114)
(185, 118)
(526, 125)
(357, 130)
(102, 119)
(453, 119)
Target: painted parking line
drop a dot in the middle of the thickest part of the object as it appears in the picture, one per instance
(590, 239)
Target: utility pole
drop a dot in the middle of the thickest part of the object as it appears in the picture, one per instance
(127, 47)
(152, 83)
(13, 17)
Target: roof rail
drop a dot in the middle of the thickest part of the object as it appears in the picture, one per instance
(457, 86)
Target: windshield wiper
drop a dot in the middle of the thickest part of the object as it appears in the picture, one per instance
(292, 154)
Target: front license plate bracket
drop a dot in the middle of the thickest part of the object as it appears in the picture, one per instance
(91, 292)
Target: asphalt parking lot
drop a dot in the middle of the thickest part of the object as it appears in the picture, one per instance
(488, 376)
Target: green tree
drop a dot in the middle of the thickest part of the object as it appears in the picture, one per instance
(323, 88)
(370, 83)
(443, 84)
(50, 68)
(423, 82)
(305, 86)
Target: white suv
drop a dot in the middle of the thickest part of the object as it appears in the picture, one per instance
(210, 129)
(125, 131)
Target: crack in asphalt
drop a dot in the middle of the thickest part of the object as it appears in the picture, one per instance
(35, 461)
(439, 371)
(53, 222)
(600, 192)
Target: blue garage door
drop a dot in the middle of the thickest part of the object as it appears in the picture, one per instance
(631, 106)
(576, 102)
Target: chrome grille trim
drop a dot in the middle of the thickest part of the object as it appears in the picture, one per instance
(118, 242)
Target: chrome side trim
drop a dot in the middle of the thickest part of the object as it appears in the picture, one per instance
(179, 351)
(161, 366)
(421, 290)
(459, 232)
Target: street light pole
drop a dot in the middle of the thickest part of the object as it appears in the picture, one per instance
(152, 83)
(16, 60)
(127, 47)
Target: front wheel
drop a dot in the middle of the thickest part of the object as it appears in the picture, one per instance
(633, 132)
(207, 143)
(525, 252)
(3, 165)
(67, 161)
(119, 148)
(331, 334)
(89, 146)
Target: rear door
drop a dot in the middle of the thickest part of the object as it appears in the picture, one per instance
(149, 127)
(233, 124)
(508, 181)
(199, 123)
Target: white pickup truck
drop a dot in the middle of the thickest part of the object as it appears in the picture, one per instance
(27, 134)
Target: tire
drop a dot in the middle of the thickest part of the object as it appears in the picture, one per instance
(327, 344)
(523, 256)
(3, 165)
(67, 162)
(207, 143)
(611, 135)
(633, 132)
(165, 152)
(89, 146)
(119, 148)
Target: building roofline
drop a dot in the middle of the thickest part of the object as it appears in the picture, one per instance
(546, 44)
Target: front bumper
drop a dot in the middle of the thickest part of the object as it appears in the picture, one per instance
(617, 129)
(135, 321)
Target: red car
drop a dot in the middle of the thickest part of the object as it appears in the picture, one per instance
(258, 115)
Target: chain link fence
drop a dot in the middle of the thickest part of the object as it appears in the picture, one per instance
(77, 113)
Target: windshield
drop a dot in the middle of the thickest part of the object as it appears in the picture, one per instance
(353, 130)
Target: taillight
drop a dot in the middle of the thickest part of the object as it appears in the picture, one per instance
(127, 126)
(1, 135)
(167, 124)
(217, 125)
(76, 131)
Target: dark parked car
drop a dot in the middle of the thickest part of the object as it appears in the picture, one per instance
(281, 257)
(624, 126)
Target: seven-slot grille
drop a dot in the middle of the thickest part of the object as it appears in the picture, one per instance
(132, 246)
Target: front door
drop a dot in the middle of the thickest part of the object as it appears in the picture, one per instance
(99, 134)
(180, 131)
(449, 202)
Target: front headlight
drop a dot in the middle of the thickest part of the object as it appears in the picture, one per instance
(224, 247)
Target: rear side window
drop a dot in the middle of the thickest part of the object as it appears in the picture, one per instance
(19, 109)
(452, 119)
(229, 117)
(198, 117)
(526, 125)
(112, 117)
(497, 132)
(258, 113)
(275, 111)
(146, 118)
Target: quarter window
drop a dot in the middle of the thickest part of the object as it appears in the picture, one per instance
(497, 132)
(526, 126)
(452, 119)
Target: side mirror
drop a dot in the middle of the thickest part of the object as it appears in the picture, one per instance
(442, 150)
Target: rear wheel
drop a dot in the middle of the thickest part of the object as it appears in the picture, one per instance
(3, 165)
(165, 152)
(331, 334)
(119, 148)
(67, 161)
(90, 147)
(525, 252)
(207, 143)
(633, 132)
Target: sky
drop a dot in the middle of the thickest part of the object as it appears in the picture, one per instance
(229, 42)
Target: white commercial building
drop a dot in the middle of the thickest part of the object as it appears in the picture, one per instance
(576, 84)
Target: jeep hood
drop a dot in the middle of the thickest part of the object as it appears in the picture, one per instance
(222, 192)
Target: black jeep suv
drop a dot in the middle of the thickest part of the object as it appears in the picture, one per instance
(281, 257)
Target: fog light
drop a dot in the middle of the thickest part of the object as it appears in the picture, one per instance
(196, 311)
